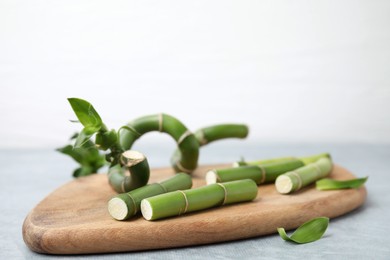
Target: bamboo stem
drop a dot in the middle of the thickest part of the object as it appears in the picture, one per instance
(187, 158)
(180, 202)
(301, 177)
(124, 206)
(132, 162)
(263, 173)
(217, 132)
(213, 133)
(306, 160)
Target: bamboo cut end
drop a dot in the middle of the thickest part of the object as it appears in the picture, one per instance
(211, 177)
(283, 184)
(146, 209)
(131, 157)
(117, 208)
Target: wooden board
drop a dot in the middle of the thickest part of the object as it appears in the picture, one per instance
(74, 218)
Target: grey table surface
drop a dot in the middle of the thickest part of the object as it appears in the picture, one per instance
(29, 175)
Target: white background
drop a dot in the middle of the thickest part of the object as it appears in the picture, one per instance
(294, 71)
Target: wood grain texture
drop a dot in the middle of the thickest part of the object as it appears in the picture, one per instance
(74, 218)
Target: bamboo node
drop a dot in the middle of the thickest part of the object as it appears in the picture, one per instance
(181, 168)
(186, 200)
(134, 204)
(225, 191)
(263, 174)
(299, 179)
(202, 139)
(164, 189)
(183, 137)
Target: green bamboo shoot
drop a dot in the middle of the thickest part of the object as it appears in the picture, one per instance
(213, 133)
(306, 160)
(124, 206)
(264, 173)
(180, 202)
(186, 160)
(301, 177)
(217, 132)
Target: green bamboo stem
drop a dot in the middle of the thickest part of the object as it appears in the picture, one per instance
(213, 133)
(124, 206)
(263, 173)
(136, 164)
(261, 162)
(186, 160)
(180, 202)
(306, 160)
(295, 180)
(217, 132)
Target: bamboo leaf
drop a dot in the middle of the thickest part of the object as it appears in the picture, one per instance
(85, 113)
(308, 232)
(85, 135)
(329, 184)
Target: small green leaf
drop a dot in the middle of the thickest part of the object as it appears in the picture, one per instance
(85, 135)
(86, 113)
(308, 232)
(330, 184)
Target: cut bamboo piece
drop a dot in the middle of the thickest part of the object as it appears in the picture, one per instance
(125, 205)
(264, 173)
(180, 202)
(295, 180)
(306, 160)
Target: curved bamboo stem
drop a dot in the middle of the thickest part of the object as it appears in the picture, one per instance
(217, 132)
(138, 167)
(213, 133)
(186, 159)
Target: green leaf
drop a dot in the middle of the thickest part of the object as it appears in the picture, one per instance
(85, 135)
(83, 171)
(88, 157)
(69, 150)
(86, 113)
(330, 184)
(308, 232)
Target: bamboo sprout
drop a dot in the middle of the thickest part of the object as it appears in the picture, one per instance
(180, 202)
(264, 173)
(187, 158)
(301, 177)
(306, 160)
(124, 206)
(136, 164)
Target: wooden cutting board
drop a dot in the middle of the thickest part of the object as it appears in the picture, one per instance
(74, 218)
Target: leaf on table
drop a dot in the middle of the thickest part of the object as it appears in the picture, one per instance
(308, 232)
